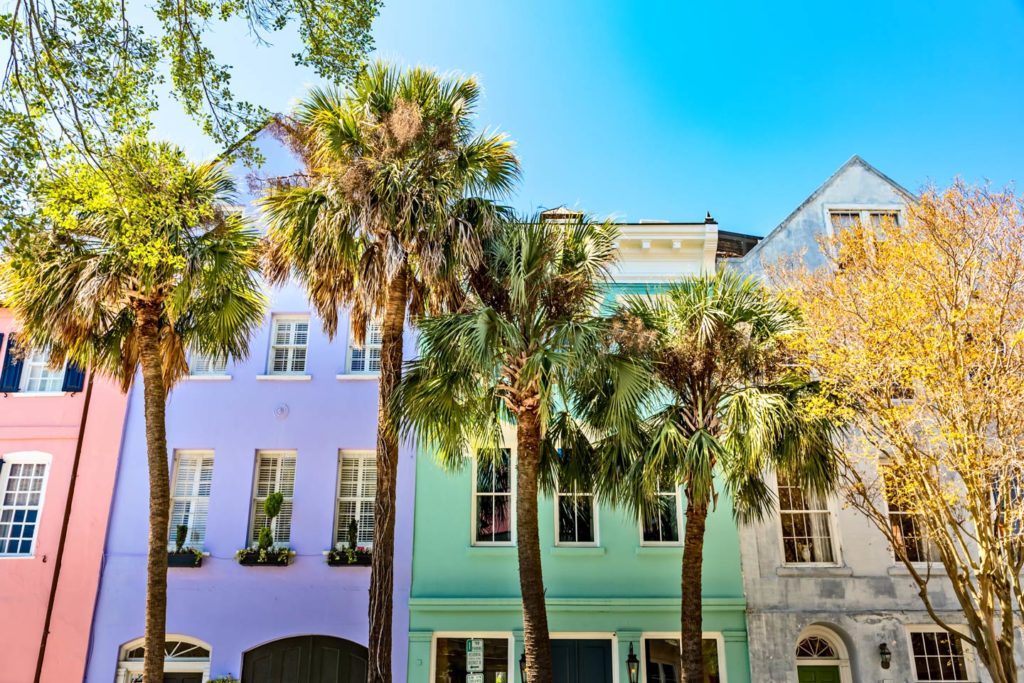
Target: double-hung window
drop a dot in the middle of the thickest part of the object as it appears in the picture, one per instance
(190, 496)
(289, 340)
(576, 517)
(908, 531)
(806, 525)
(22, 482)
(201, 364)
(357, 491)
(844, 219)
(275, 472)
(492, 498)
(37, 376)
(938, 656)
(365, 359)
(660, 525)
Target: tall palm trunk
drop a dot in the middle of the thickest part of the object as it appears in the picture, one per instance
(691, 645)
(382, 580)
(154, 401)
(531, 577)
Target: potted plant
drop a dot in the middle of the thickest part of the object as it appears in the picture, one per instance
(182, 556)
(263, 552)
(341, 556)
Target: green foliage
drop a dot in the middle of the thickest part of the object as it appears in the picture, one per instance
(147, 234)
(180, 537)
(272, 505)
(353, 534)
(266, 538)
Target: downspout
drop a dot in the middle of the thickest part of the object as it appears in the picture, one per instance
(64, 531)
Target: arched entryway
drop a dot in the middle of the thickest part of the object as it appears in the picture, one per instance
(305, 659)
(821, 657)
(186, 660)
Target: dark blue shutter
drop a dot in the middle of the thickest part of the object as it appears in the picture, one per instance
(10, 378)
(74, 378)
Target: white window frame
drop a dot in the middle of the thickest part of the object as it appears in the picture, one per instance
(513, 498)
(865, 211)
(833, 531)
(679, 521)
(341, 532)
(255, 500)
(128, 671)
(197, 358)
(559, 494)
(513, 664)
(366, 348)
(193, 499)
(841, 660)
(36, 359)
(288, 318)
(889, 514)
(26, 458)
(970, 670)
(668, 635)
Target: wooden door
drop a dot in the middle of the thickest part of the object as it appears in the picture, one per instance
(305, 659)
(582, 661)
(818, 674)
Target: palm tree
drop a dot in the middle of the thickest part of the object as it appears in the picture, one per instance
(128, 267)
(723, 406)
(510, 356)
(385, 218)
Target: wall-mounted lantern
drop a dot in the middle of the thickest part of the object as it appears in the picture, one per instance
(885, 654)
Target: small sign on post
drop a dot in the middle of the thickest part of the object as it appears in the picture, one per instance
(475, 659)
(474, 678)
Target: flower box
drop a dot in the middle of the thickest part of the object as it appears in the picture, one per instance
(254, 557)
(187, 558)
(346, 557)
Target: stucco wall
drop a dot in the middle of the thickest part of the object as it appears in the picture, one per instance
(50, 424)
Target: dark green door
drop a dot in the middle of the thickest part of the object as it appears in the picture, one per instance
(818, 674)
(305, 659)
(582, 661)
(183, 678)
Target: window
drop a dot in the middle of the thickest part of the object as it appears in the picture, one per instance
(366, 358)
(357, 490)
(22, 483)
(38, 377)
(182, 656)
(492, 498)
(288, 343)
(275, 472)
(908, 530)
(450, 660)
(937, 656)
(190, 497)
(203, 364)
(844, 220)
(661, 526)
(806, 525)
(662, 660)
(576, 518)
(884, 219)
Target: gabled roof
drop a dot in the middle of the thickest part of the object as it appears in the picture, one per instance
(855, 160)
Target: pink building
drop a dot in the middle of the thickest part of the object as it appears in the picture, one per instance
(50, 421)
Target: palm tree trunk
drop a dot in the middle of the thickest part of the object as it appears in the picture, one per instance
(154, 401)
(691, 646)
(382, 580)
(531, 577)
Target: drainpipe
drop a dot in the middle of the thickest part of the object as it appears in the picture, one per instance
(64, 531)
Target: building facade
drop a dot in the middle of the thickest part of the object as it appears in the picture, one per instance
(824, 590)
(60, 434)
(612, 580)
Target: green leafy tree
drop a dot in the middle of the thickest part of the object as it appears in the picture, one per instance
(385, 218)
(723, 406)
(128, 268)
(511, 356)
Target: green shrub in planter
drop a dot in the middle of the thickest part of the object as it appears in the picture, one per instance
(264, 552)
(182, 556)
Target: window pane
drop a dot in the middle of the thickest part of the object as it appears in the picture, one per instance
(357, 487)
(662, 525)
(20, 512)
(806, 525)
(663, 661)
(274, 472)
(450, 660)
(937, 657)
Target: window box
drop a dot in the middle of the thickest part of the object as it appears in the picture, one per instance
(254, 557)
(360, 557)
(186, 558)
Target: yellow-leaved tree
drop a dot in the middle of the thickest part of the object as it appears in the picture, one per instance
(918, 327)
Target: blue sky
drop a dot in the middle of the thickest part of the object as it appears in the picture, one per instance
(666, 110)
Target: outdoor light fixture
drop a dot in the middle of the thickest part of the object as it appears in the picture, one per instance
(633, 666)
(885, 654)
(522, 667)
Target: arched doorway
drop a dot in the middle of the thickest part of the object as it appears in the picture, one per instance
(821, 657)
(305, 659)
(186, 660)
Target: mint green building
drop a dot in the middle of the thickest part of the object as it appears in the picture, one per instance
(612, 580)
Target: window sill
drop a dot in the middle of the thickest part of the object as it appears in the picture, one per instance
(813, 571)
(490, 550)
(354, 377)
(17, 557)
(659, 550)
(207, 378)
(284, 378)
(922, 568)
(36, 394)
(578, 550)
